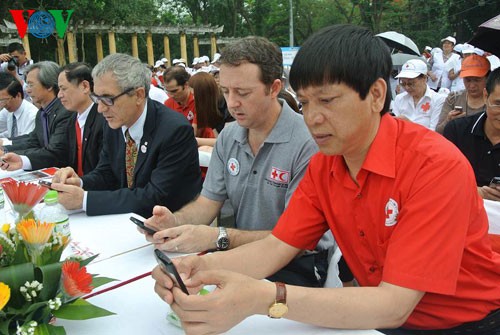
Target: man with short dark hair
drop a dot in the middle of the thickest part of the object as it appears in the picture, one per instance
(256, 165)
(20, 113)
(47, 144)
(478, 137)
(181, 99)
(86, 124)
(400, 200)
(15, 61)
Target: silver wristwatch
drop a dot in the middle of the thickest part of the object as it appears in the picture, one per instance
(222, 240)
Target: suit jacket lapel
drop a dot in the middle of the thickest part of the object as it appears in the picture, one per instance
(87, 129)
(147, 138)
(72, 138)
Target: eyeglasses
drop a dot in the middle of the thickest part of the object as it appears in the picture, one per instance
(409, 84)
(495, 107)
(3, 102)
(108, 101)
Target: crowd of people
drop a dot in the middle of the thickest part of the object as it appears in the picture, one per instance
(363, 210)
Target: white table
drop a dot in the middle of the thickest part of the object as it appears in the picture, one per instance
(125, 255)
(140, 311)
(106, 235)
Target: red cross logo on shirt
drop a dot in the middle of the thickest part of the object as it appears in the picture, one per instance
(232, 166)
(274, 174)
(425, 107)
(388, 213)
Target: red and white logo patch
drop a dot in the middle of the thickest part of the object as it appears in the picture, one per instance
(279, 176)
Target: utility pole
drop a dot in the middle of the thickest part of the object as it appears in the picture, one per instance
(291, 23)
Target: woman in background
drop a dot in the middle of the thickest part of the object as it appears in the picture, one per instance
(206, 99)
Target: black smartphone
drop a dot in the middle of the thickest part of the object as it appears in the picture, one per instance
(495, 182)
(141, 225)
(169, 268)
(45, 183)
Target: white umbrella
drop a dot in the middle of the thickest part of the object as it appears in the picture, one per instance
(398, 59)
(399, 41)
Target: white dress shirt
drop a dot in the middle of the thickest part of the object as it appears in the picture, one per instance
(25, 117)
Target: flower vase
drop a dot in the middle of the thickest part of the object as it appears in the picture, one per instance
(24, 215)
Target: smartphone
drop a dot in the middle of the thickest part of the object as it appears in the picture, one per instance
(141, 225)
(458, 108)
(495, 182)
(169, 268)
(45, 183)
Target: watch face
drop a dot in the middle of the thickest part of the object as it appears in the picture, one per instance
(223, 243)
(277, 310)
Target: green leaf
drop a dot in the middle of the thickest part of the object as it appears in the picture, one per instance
(45, 329)
(80, 310)
(21, 256)
(99, 281)
(50, 276)
(86, 261)
(15, 276)
(4, 326)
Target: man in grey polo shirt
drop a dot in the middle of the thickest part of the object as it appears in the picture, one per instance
(256, 164)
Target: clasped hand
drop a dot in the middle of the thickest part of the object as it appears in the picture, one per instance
(213, 313)
(67, 183)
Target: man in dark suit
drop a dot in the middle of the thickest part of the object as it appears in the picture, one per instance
(86, 124)
(47, 144)
(149, 154)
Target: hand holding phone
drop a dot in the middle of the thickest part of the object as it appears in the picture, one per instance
(45, 183)
(169, 268)
(495, 182)
(141, 225)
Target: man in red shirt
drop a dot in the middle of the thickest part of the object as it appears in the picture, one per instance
(400, 200)
(181, 99)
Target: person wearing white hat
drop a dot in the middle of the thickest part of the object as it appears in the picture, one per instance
(441, 64)
(419, 103)
(215, 60)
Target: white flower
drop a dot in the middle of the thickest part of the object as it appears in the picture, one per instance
(30, 290)
(55, 304)
(27, 329)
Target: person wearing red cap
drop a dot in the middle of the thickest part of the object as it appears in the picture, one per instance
(474, 71)
(478, 137)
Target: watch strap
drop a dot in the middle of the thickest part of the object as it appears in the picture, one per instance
(280, 293)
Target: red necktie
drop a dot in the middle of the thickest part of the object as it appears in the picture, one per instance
(78, 149)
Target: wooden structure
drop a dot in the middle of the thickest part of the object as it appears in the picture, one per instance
(109, 30)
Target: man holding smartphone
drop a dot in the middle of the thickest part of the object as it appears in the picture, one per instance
(256, 165)
(478, 137)
(400, 200)
(149, 154)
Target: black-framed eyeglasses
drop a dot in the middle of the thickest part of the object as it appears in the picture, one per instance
(108, 101)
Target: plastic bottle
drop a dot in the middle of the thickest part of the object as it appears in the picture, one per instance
(54, 212)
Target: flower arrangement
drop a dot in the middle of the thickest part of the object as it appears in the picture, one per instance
(35, 286)
(23, 197)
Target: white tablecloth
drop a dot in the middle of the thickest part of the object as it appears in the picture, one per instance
(140, 311)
